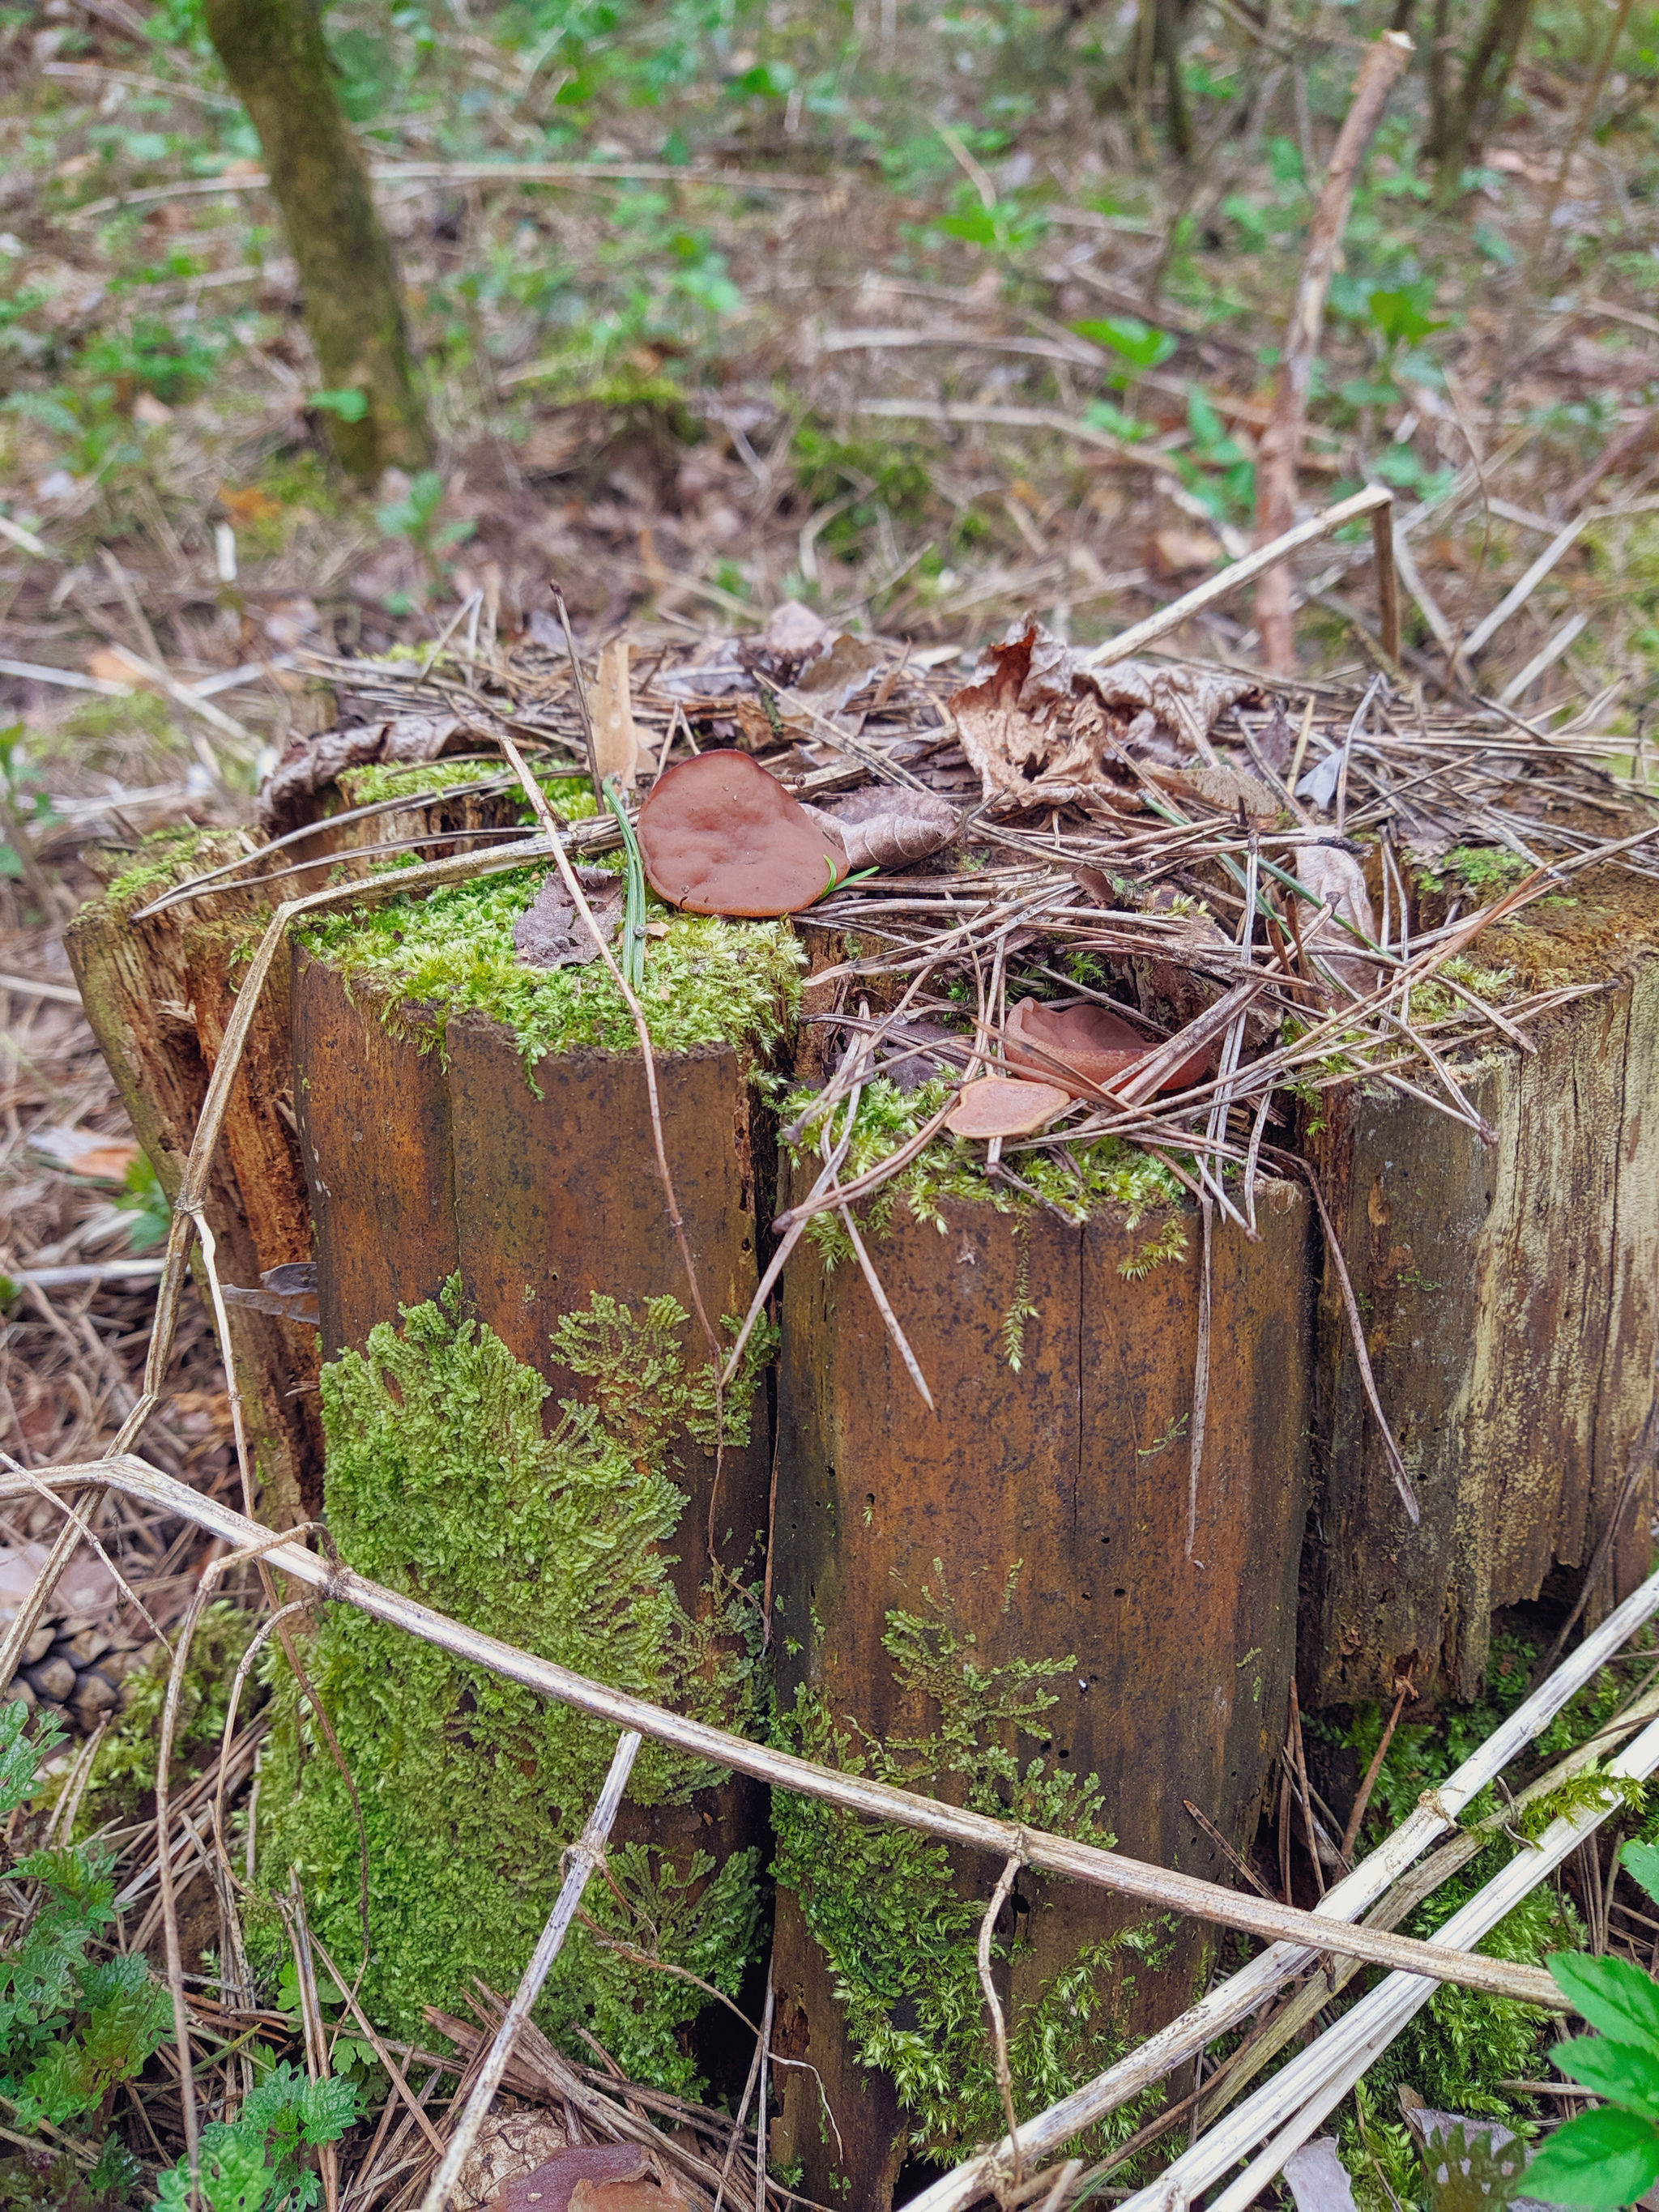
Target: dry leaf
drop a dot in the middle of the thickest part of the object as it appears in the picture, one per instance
(1178, 552)
(1330, 873)
(111, 665)
(510, 2145)
(1037, 724)
(1221, 786)
(85, 1152)
(154, 414)
(288, 1291)
(616, 740)
(248, 506)
(824, 685)
(992, 1106)
(885, 826)
(550, 934)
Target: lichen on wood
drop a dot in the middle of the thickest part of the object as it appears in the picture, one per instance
(442, 1484)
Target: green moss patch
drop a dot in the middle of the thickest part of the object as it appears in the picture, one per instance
(442, 1485)
(571, 796)
(169, 858)
(883, 1904)
(707, 982)
(1081, 1180)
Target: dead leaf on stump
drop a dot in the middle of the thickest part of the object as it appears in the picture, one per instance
(888, 827)
(550, 934)
(1038, 724)
(288, 797)
(1330, 873)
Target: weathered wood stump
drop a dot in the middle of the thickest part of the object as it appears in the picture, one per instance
(1039, 1523)
(1510, 1295)
(159, 994)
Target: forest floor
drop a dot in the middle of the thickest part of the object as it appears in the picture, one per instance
(892, 311)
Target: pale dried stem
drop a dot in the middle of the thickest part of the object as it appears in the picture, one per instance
(999, 1897)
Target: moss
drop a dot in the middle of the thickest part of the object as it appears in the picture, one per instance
(167, 858)
(884, 1905)
(1476, 868)
(706, 980)
(1079, 1180)
(571, 796)
(443, 1485)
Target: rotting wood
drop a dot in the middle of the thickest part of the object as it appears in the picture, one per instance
(1047, 1508)
(1511, 1296)
(159, 994)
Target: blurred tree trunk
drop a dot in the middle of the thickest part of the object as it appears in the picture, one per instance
(1455, 117)
(278, 63)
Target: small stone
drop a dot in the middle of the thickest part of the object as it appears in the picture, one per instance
(18, 1693)
(53, 1680)
(91, 1644)
(38, 1645)
(94, 1694)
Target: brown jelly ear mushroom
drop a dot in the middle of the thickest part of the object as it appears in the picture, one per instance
(991, 1106)
(720, 836)
(1089, 1041)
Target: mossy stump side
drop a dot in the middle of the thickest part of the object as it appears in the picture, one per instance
(1510, 1298)
(159, 994)
(1030, 1540)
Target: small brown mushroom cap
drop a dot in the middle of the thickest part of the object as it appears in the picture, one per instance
(1087, 1041)
(720, 836)
(991, 1106)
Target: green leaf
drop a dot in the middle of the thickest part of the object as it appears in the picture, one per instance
(1628, 2073)
(350, 405)
(1611, 1994)
(1641, 1863)
(1602, 2159)
(1133, 341)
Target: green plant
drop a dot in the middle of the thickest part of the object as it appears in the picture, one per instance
(146, 1205)
(257, 2163)
(70, 2029)
(416, 516)
(883, 1904)
(443, 1485)
(1137, 345)
(1609, 2156)
(27, 802)
(125, 1768)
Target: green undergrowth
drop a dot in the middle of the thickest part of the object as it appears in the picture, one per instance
(442, 1485)
(886, 1908)
(1080, 1180)
(426, 960)
(124, 1777)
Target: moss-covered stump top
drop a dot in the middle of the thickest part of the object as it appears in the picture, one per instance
(422, 961)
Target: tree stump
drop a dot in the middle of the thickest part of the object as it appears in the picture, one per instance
(1510, 1295)
(1041, 1517)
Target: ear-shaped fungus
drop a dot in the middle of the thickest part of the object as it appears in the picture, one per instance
(720, 836)
(1085, 1040)
(991, 1106)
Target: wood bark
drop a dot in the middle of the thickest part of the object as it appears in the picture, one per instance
(1455, 117)
(158, 994)
(274, 54)
(1075, 1470)
(1511, 1300)
(1282, 438)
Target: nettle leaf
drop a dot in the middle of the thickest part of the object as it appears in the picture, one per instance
(1602, 2159)
(1628, 2073)
(1612, 1994)
(1641, 1863)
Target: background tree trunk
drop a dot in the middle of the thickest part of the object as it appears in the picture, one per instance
(1454, 117)
(278, 63)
